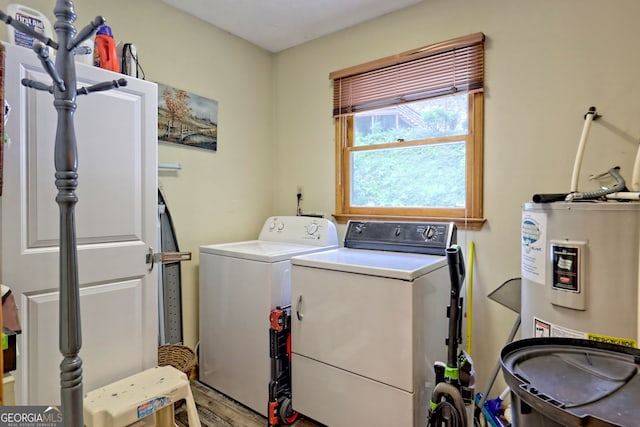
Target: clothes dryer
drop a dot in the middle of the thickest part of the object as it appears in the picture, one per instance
(240, 283)
(369, 322)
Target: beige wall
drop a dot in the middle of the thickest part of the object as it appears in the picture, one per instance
(546, 63)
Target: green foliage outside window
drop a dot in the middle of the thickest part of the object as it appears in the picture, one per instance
(429, 175)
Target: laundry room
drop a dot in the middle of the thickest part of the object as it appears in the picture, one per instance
(545, 108)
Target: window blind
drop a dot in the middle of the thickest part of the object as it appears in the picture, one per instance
(439, 69)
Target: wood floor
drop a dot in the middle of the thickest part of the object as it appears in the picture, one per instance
(217, 410)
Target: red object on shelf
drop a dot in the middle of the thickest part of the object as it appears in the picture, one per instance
(105, 54)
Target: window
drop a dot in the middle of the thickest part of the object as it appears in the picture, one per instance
(409, 135)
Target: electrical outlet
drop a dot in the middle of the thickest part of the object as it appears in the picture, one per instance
(300, 191)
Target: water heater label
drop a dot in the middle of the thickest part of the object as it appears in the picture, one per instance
(534, 252)
(627, 342)
(565, 261)
(568, 283)
(544, 329)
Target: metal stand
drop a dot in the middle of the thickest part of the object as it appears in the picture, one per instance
(64, 91)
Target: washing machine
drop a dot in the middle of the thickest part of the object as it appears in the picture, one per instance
(240, 283)
(369, 320)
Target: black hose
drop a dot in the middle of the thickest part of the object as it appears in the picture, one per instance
(559, 197)
(548, 198)
(453, 402)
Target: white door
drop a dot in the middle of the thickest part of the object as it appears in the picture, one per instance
(115, 225)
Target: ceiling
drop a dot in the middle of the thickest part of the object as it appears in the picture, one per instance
(276, 25)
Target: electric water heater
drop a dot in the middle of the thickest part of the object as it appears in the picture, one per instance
(580, 263)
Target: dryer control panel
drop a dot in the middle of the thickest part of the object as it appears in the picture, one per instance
(415, 237)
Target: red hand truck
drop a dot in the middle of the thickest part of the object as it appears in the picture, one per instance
(280, 410)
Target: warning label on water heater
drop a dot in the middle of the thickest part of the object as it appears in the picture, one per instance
(627, 342)
(533, 238)
(543, 329)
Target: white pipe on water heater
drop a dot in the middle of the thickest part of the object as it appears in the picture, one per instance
(624, 195)
(635, 175)
(591, 114)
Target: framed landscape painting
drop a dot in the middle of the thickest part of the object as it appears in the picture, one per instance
(187, 119)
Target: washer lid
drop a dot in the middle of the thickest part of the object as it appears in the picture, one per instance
(395, 265)
(261, 250)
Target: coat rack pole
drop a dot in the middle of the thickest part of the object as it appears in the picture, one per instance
(66, 164)
(65, 91)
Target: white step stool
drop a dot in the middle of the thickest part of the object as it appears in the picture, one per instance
(143, 399)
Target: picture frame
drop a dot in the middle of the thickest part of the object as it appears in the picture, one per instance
(187, 119)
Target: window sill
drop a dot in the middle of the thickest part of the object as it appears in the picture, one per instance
(473, 224)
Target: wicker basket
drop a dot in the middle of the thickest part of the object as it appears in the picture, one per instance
(178, 356)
